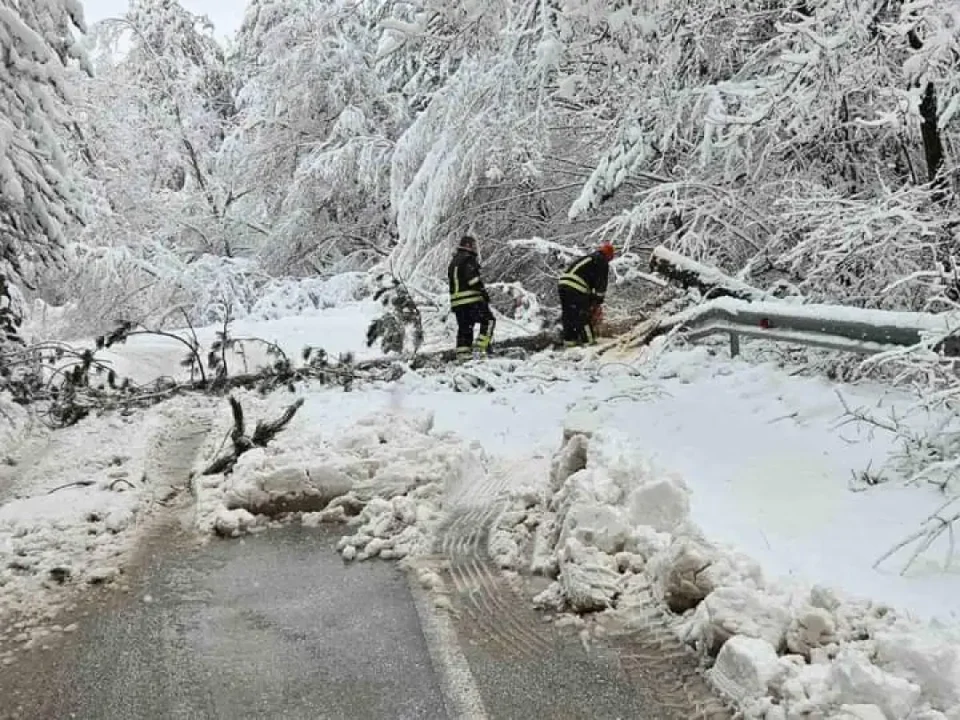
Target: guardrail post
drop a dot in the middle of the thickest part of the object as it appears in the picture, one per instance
(734, 344)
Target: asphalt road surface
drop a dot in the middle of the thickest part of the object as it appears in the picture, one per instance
(274, 626)
(278, 626)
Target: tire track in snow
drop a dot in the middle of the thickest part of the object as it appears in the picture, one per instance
(174, 450)
(651, 657)
(492, 604)
(34, 443)
(489, 600)
(173, 441)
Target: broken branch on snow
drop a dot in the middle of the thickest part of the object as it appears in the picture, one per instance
(263, 433)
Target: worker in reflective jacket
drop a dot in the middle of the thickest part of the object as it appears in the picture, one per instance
(582, 288)
(469, 301)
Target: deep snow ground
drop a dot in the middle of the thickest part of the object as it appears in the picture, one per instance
(763, 453)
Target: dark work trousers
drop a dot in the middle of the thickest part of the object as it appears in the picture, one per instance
(575, 317)
(468, 316)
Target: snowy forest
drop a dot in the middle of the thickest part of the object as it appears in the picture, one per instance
(803, 145)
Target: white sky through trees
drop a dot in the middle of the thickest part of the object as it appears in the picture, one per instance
(225, 14)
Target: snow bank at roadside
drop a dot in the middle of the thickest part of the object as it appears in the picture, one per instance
(385, 477)
(615, 535)
(86, 498)
(14, 421)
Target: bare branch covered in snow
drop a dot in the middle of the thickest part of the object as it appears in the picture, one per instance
(262, 434)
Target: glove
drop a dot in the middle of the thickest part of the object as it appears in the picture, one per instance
(596, 315)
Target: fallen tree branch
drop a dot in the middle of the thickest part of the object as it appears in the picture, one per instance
(66, 395)
(528, 343)
(263, 433)
(933, 527)
(113, 485)
(78, 483)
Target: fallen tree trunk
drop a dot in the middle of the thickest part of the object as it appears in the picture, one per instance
(81, 401)
(529, 343)
(708, 280)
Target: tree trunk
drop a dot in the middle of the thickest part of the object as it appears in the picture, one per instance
(708, 280)
(932, 143)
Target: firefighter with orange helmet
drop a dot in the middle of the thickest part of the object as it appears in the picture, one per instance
(582, 289)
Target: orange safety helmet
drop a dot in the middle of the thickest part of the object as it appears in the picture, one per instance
(606, 249)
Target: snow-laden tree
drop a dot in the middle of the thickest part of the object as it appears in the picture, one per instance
(479, 78)
(514, 101)
(174, 75)
(159, 115)
(471, 133)
(37, 198)
(791, 138)
(149, 125)
(421, 45)
(316, 134)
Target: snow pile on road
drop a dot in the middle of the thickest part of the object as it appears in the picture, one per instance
(615, 535)
(385, 477)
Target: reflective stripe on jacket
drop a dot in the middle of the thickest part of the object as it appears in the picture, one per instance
(463, 274)
(588, 275)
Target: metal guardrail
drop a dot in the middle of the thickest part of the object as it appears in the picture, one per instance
(739, 310)
(828, 326)
(808, 339)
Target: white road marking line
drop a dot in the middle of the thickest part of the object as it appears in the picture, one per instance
(460, 693)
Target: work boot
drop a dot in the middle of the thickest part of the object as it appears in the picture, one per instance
(464, 354)
(482, 346)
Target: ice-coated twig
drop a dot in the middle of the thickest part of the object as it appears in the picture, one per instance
(933, 527)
